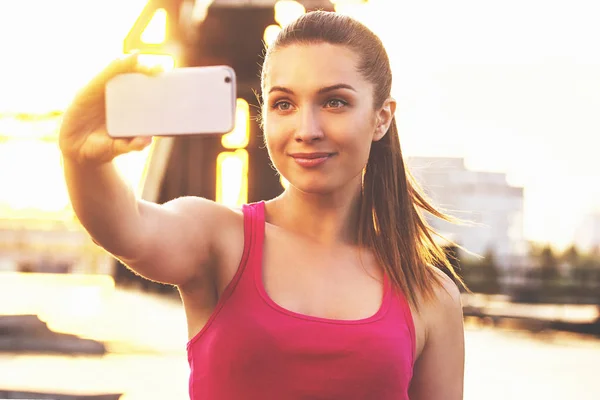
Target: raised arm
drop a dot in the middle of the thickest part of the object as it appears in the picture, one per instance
(167, 243)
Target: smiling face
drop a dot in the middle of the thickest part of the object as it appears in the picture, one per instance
(319, 116)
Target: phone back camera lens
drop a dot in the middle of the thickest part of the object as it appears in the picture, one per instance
(227, 79)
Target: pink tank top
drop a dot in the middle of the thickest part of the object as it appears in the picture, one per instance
(251, 348)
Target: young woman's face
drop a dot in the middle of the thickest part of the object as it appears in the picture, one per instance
(319, 119)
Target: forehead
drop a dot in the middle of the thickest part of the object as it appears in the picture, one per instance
(307, 66)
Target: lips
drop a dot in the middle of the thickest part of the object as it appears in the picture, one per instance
(309, 160)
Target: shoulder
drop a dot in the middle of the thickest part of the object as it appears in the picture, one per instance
(443, 310)
(220, 225)
(435, 313)
(439, 369)
(195, 204)
(203, 212)
(447, 293)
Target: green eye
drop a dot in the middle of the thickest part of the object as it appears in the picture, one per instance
(335, 103)
(282, 106)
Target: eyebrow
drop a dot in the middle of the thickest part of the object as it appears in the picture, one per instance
(325, 89)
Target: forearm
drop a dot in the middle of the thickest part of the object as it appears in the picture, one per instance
(105, 205)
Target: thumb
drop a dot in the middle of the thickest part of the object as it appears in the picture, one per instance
(123, 64)
(140, 142)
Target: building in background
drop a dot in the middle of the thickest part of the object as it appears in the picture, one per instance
(588, 233)
(484, 198)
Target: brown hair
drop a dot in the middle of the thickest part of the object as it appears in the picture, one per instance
(391, 222)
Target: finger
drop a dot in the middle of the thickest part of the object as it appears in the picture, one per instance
(140, 143)
(120, 146)
(150, 71)
(126, 145)
(126, 63)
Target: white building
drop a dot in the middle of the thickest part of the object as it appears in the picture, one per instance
(588, 233)
(493, 208)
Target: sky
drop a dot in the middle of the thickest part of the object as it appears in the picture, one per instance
(51, 48)
(511, 86)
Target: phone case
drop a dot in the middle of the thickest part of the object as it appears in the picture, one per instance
(183, 101)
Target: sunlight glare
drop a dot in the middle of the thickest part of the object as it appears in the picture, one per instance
(270, 34)
(166, 62)
(156, 30)
(232, 178)
(240, 135)
(44, 79)
(31, 185)
(287, 10)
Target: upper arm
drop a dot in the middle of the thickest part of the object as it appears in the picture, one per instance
(439, 371)
(177, 239)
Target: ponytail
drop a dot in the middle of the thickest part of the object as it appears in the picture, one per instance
(392, 225)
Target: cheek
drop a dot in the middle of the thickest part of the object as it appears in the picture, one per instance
(274, 142)
(359, 154)
(277, 132)
(356, 136)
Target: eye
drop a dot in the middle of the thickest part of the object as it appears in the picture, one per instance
(282, 105)
(335, 103)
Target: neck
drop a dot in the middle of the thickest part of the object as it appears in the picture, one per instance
(326, 218)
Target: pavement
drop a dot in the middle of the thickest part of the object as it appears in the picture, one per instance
(144, 334)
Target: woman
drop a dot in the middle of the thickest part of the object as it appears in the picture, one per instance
(328, 291)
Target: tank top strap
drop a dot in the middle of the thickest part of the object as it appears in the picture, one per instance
(254, 227)
(242, 282)
(254, 232)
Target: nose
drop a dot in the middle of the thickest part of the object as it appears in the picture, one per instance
(309, 126)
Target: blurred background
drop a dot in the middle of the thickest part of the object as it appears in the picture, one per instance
(498, 118)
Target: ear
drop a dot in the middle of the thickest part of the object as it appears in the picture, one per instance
(384, 118)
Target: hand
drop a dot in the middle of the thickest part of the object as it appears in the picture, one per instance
(83, 137)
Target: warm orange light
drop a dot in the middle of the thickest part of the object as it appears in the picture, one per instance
(240, 135)
(133, 167)
(270, 34)
(339, 2)
(31, 188)
(164, 61)
(352, 8)
(287, 11)
(232, 178)
(156, 30)
(68, 53)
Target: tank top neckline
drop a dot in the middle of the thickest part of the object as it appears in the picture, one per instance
(256, 253)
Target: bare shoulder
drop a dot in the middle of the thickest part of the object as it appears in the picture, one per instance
(183, 239)
(220, 222)
(223, 225)
(443, 310)
(192, 209)
(198, 205)
(436, 310)
(439, 369)
(447, 294)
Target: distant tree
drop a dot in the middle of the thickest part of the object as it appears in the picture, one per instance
(490, 266)
(595, 254)
(481, 275)
(571, 256)
(535, 249)
(548, 264)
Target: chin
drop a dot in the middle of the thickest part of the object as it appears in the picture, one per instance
(312, 186)
(322, 186)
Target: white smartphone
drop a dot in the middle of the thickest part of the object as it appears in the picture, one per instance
(183, 101)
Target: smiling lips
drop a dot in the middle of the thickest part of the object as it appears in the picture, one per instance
(310, 160)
